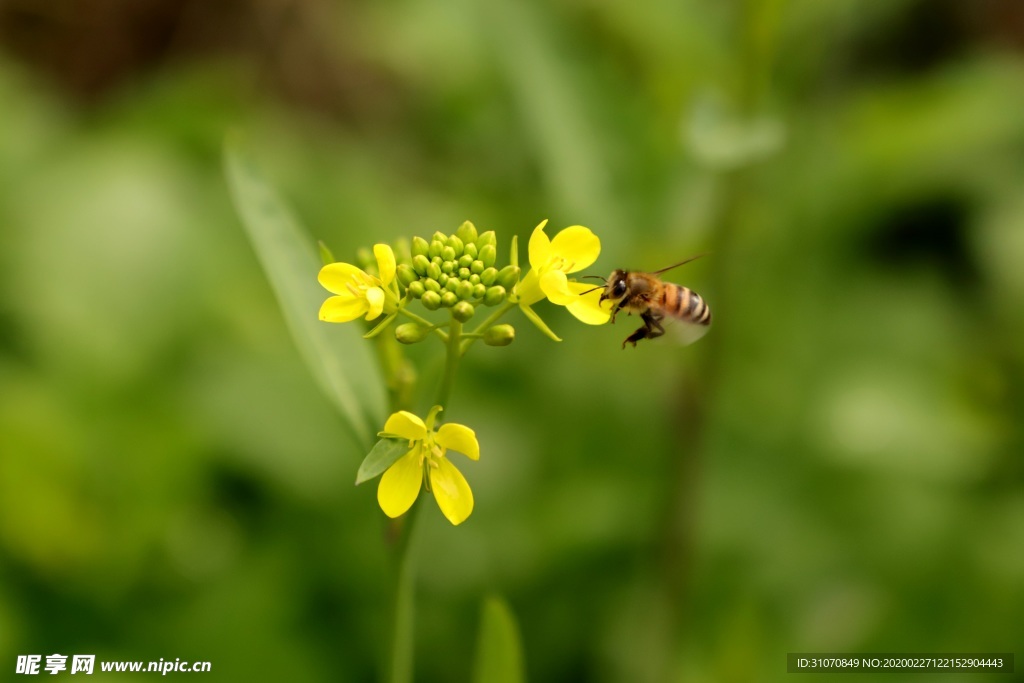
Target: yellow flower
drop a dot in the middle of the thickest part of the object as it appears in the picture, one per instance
(572, 250)
(357, 292)
(427, 465)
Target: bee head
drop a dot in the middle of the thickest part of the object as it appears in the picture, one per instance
(616, 287)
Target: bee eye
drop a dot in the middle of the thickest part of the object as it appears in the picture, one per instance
(619, 288)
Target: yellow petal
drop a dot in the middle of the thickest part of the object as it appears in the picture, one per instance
(587, 308)
(556, 288)
(459, 438)
(385, 262)
(406, 425)
(375, 301)
(338, 277)
(400, 484)
(578, 246)
(341, 309)
(540, 246)
(451, 490)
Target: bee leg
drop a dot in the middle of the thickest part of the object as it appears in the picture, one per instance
(615, 312)
(652, 328)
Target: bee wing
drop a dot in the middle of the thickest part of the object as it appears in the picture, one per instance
(683, 332)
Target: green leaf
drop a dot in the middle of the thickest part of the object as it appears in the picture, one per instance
(499, 652)
(535, 319)
(341, 362)
(381, 326)
(383, 455)
(326, 256)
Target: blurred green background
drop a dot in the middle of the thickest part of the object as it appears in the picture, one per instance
(836, 466)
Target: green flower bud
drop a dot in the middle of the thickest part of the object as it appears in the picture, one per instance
(416, 289)
(508, 277)
(464, 290)
(465, 260)
(494, 295)
(420, 263)
(464, 273)
(499, 335)
(476, 267)
(448, 299)
(432, 285)
(478, 290)
(457, 245)
(435, 249)
(442, 279)
(431, 300)
(471, 250)
(448, 254)
(452, 285)
(439, 237)
(488, 255)
(485, 239)
(489, 276)
(466, 233)
(406, 275)
(438, 260)
(462, 311)
(447, 267)
(474, 279)
(410, 333)
(420, 247)
(433, 272)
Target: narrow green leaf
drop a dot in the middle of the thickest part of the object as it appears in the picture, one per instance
(381, 326)
(341, 362)
(383, 455)
(326, 256)
(535, 319)
(499, 652)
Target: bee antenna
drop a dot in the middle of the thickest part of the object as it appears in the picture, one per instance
(594, 277)
(592, 290)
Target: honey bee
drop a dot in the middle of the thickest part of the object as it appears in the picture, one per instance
(653, 299)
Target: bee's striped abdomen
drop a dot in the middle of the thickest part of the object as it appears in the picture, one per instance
(685, 304)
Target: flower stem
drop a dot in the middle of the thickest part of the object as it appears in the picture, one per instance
(482, 327)
(402, 640)
(451, 362)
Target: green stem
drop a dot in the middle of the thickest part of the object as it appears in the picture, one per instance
(451, 362)
(482, 327)
(403, 641)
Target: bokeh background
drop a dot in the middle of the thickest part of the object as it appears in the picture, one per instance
(837, 466)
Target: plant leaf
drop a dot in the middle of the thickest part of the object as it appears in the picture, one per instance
(535, 319)
(499, 652)
(337, 356)
(383, 455)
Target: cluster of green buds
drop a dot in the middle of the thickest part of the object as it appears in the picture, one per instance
(457, 271)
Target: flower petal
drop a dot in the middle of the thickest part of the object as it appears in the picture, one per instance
(578, 246)
(555, 286)
(385, 262)
(337, 277)
(587, 308)
(540, 246)
(375, 301)
(401, 484)
(459, 438)
(451, 490)
(342, 308)
(406, 425)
